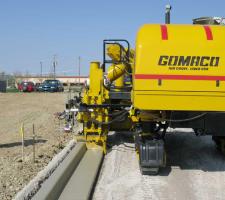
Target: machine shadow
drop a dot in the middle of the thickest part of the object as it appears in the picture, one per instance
(118, 138)
(188, 152)
(26, 143)
(184, 150)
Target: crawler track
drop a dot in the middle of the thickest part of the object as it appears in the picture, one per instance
(74, 178)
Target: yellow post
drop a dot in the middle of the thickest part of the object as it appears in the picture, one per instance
(96, 75)
(22, 140)
(34, 138)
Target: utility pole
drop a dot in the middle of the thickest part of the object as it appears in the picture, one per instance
(54, 66)
(41, 69)
(79, 59)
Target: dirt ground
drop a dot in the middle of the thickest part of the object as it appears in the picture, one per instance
(28, 108)
(195, 170)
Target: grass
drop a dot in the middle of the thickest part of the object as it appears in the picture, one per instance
(12, 90)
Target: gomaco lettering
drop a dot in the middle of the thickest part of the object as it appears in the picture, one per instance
(203, 61)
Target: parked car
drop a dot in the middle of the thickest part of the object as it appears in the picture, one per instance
(51, 86)
(26, 86)
(37, 85)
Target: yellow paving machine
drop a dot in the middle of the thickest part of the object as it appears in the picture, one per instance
(174, 78)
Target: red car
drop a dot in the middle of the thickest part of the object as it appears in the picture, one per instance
(26, 86)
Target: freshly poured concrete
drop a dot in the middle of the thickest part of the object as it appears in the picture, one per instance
(52, 187)
(81, 182)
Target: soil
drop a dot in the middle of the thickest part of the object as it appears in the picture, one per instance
(28, 108)
(195, 169)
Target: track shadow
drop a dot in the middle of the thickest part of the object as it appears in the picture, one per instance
(184, 150)
(26, 143)
(188, 152)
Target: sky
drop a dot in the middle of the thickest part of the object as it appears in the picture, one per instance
(33, 31)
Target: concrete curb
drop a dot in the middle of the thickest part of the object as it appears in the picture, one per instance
(53, 186)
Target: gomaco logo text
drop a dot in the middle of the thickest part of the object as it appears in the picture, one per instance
(189, 61)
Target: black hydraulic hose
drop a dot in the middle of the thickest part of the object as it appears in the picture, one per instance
(126, 88)
(119, 118)
(104, 105)
(116, 113)
(183, 120)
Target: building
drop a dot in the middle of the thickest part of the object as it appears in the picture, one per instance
(2, 86)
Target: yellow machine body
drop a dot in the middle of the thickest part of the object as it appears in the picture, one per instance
(179, 67)
(175, 76)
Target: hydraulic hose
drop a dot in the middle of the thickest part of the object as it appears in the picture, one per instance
(183, 120)
(119, 118)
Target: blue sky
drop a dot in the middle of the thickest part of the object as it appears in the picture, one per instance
(33, 31)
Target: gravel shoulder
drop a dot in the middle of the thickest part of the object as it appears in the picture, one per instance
(28, 108)
(195, 170)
